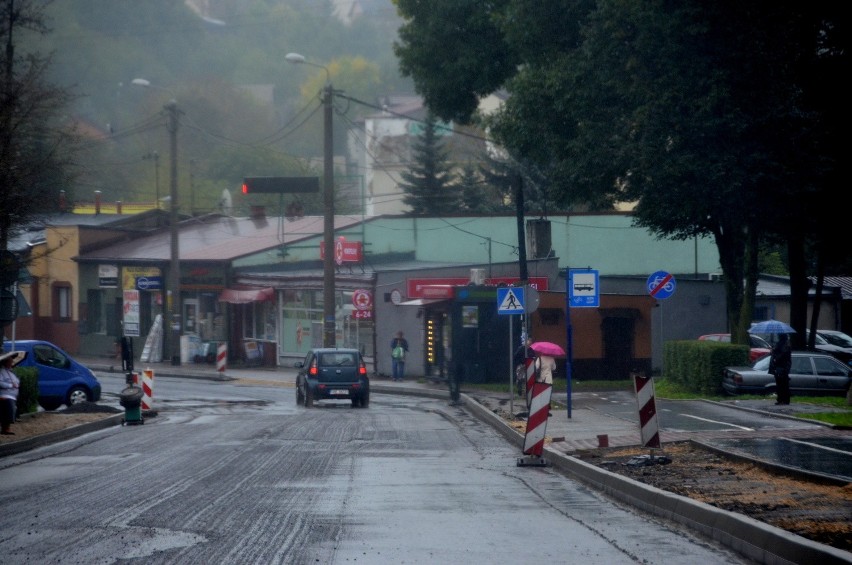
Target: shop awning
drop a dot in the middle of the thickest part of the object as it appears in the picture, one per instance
(233, 296)
(422, 301)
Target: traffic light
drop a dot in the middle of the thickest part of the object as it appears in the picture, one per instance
(278, 185)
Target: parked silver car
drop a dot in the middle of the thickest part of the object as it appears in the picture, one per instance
(811, 373)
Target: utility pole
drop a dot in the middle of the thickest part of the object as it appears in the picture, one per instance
(173, 290)
(329, 324)
(329, 320)
(519, 215)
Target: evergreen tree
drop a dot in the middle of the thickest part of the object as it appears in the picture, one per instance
(428, 184)
(477, 197)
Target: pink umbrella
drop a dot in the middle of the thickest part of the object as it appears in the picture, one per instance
(547, 348)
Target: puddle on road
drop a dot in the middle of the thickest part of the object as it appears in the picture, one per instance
(828, 455)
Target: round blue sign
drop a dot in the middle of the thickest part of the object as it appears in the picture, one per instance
(661, 284)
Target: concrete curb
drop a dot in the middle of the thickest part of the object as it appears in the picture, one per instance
(59, 435)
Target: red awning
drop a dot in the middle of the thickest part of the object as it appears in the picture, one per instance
(245, 296)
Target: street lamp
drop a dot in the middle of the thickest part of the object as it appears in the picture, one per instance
(329, 321)
(173, 305)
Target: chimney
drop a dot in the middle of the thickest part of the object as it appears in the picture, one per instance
(118, 206)
(258, 212)
(97, 202)
(63, 203)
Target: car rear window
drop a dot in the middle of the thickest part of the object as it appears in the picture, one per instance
(338, 359)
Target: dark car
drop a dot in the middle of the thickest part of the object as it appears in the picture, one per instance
(332, 373)
(822, 345)
(810, 373)
(61, 379)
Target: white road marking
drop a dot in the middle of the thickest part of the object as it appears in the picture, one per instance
(816, 445)
(718, 422)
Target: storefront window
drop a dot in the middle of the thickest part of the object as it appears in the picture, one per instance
(211, 322)
(259, 321)
(301, 323)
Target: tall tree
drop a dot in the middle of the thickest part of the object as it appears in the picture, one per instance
(35, 155)
(700, 113)
(429, 183)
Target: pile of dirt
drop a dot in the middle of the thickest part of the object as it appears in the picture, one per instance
(809, 508)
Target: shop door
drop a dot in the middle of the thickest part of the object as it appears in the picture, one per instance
(190, 316)
(618, 348)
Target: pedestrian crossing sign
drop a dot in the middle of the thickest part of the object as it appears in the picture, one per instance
(510, 300)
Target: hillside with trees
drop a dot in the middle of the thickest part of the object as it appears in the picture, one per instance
(244, 110)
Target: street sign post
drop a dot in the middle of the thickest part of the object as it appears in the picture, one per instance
(583, 291)
(510, 300)
(661, 285)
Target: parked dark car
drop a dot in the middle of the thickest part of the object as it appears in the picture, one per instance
(332, 373)
(824, 345)
(759, 346)
(61, 379)
(810, 374)
(837, 338)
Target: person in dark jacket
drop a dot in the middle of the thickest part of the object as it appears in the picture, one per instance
(399, 349)
(779, 365)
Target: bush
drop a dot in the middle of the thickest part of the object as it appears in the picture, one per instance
(28, 393)
(698, 366)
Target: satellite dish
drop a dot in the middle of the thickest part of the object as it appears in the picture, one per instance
(225, 203)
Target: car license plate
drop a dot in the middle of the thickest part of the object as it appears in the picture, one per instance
(339, 392)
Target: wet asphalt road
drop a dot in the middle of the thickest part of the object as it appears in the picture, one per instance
(227, 473)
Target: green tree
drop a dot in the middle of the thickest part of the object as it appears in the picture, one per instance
(475, 196)
(713, 118)
(35, 143)
(429, 183)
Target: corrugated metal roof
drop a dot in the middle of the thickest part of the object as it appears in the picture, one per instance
(217, 239)
(843, 283)
(774, 285)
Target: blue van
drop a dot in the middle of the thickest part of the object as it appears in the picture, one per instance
(61, 379)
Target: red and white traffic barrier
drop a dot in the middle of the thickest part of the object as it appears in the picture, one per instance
(649, 428)
(147, 388)
(221, 356)
(536, 424)
(529, 367)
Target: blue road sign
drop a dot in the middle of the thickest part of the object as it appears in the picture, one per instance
(661, 285)
(583, 290)
(510, 300)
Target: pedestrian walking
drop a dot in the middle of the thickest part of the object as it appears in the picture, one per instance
(399, 349)
(779, 365)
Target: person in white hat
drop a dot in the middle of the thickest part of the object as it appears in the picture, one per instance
(9, 385)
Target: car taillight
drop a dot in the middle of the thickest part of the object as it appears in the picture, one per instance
(312, 371)
(362, 370)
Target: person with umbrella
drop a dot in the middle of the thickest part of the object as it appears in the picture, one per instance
(9, 385)
(779, 365)
(545, 363)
